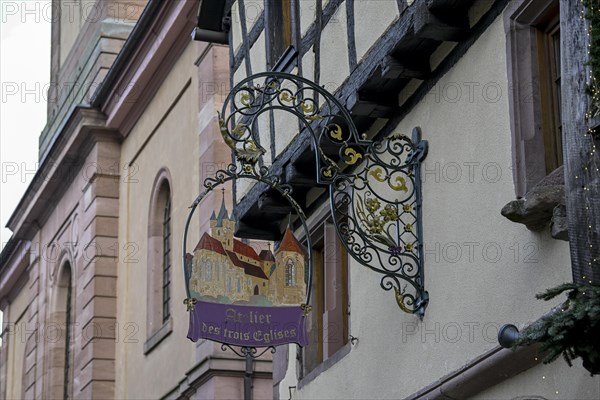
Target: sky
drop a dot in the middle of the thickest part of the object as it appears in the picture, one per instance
(24, 75)
(24, 72)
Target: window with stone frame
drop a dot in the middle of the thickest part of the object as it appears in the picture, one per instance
(533, 61)
(61, 350)
(548, 35)
(159, 259)
(327, 324)
(534, 76)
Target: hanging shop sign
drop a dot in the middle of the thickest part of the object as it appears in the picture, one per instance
(249, 298)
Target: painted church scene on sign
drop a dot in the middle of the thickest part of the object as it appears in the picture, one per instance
(223, 269)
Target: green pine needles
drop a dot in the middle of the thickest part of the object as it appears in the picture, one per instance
(573, 330)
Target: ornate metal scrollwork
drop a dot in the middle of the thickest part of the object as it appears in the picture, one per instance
(375, 187)
(377, 214)
(325, 118)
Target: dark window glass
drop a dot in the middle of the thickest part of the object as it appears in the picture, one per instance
(68, 320)
(166, 260)
(279, 28)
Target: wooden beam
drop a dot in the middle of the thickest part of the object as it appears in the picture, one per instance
(272, 203)
(267, 230)
(393, 68)
(438, 6)
(367, 108)
(431, 26)
(299, 176)
(582, 181)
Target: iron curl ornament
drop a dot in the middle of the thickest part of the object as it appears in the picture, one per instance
(374, 186)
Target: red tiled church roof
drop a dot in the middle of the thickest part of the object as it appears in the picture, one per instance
(207, 242)
(290, 243)
(244, 250)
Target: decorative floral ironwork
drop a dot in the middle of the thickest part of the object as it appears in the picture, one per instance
(377, 213)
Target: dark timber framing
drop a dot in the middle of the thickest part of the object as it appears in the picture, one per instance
(352, 60)
(582, 181)
(245, 45)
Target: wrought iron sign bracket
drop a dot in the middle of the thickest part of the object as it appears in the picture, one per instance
(374, 186)
(375, 201)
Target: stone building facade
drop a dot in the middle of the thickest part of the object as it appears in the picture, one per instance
(91, 287)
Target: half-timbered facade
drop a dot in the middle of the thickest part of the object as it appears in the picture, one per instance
(482, 81)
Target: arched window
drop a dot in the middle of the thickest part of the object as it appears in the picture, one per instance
(159, 260)
(61, 324)
(290, 273)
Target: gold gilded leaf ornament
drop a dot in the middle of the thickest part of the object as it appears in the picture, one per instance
(225, 133)
(400, 185)
(307, 107)
(336, 133)
(353, 156)
(377, 173)
(250, 153)
(245, 99)
(190, 303)
(400, 301)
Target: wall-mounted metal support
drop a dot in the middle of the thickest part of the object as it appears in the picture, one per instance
(375, 187)
(377, 211)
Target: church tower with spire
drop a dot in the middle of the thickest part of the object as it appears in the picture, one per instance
(222, 226)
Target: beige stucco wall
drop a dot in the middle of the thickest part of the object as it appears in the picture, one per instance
(165, 136)
(236, 28)
(307, 9)
(471, 295)
(335, 66)
(258, 55)
(372, 18)
(252, 12)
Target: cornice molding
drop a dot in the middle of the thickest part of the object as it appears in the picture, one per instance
(81, 131)
(13, 271)
(154, 54)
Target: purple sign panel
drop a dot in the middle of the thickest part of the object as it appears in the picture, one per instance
(247, 325)
(243, 293)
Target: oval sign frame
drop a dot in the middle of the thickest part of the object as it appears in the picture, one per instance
(245, 325)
